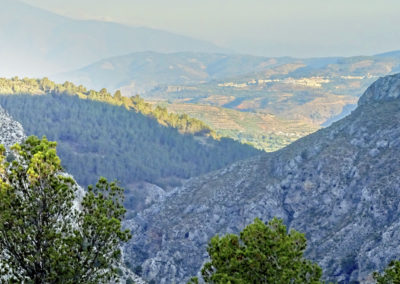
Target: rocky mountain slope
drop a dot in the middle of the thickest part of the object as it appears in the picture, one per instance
(339, 185)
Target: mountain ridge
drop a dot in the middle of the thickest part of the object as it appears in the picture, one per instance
(149, 69)
(39, 42)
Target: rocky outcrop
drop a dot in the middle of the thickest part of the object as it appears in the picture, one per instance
(142, 195)
(11, 131)
(339, 185)
(384, 89)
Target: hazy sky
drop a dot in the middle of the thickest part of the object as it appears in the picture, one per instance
(268, 27)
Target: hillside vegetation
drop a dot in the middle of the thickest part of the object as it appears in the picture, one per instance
(116, 141)
(44, 86)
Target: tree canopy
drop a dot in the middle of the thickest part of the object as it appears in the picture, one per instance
(261, 254)
(48, 233)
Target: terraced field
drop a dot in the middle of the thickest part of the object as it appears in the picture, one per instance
(265, 131)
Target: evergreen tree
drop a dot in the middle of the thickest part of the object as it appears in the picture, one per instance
(261, 254)
(118, 95)
(46, 234)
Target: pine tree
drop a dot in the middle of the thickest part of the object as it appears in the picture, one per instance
(46, 234)
(261, 254)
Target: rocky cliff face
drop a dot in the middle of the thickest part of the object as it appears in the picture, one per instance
(340, 186)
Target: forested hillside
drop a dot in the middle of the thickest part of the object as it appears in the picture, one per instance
(44, 86)
(100, 139)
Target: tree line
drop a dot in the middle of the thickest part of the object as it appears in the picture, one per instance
(183, 123)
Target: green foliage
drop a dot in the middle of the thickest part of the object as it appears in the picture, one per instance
(44, 238)
(262, 254)
(184, 123)
(194, 280)
(44, 86)
(96, 242)
(98, 139)
(391, 275)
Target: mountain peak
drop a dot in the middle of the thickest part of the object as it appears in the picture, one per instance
(384, 89)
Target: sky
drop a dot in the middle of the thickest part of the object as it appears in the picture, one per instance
(301, 28)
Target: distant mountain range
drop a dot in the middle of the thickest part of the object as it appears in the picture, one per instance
(153, 73)
(36, 42)
(141, 72)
